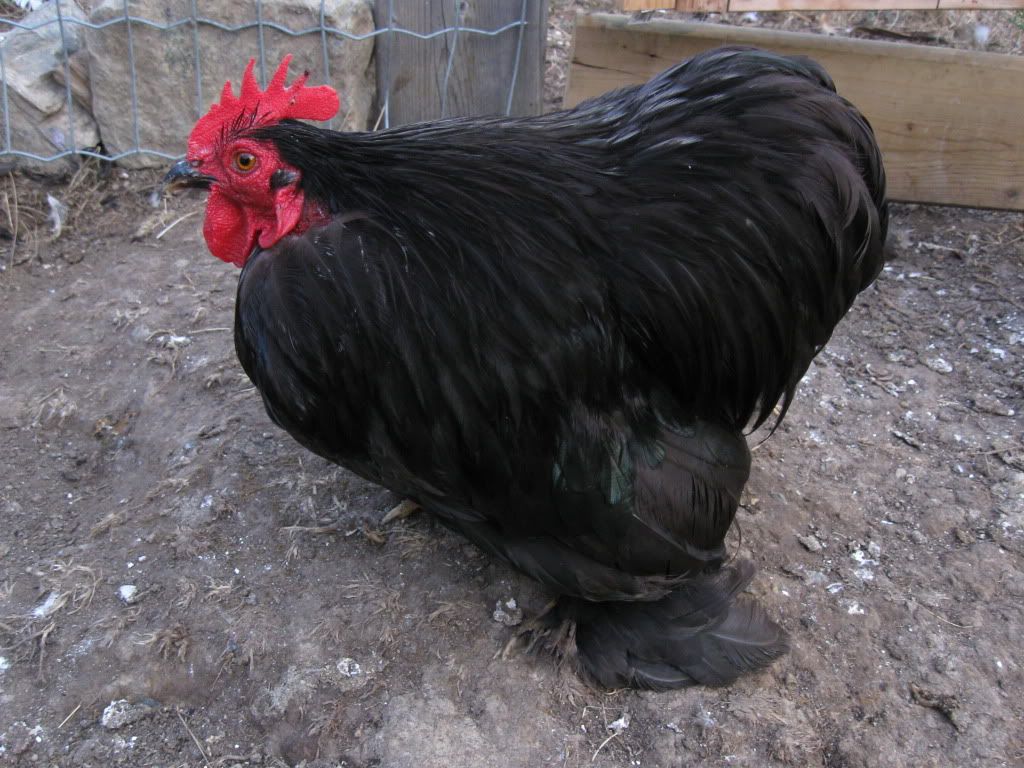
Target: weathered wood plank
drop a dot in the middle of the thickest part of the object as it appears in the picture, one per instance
(814, 5)
(702, 6)
(743, 6)
(645, 5)
(950, 122)
(991, 5)
(411, 72)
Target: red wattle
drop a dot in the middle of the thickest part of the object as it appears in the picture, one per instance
(228, 229)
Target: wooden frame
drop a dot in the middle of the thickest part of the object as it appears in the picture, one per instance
(950, 122)
(742, 6)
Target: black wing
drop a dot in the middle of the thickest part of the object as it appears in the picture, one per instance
(365, 359)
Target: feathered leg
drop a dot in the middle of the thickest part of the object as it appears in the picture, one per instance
(701, 633)
(645, 599)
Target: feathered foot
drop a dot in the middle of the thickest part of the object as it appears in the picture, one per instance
(400, 512)
(699, 634)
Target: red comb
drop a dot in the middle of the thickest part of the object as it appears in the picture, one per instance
(277, 102)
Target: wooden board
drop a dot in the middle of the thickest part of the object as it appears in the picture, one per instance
(741, 6)
(411, 71)
(950, 122)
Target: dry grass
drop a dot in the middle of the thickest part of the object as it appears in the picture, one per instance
(126, 317)
(412, 543)
(187, 591)
(22, 223)
(169, 642)
(109, 521)
(380, 600)
(451, 612)
(384, 599)
(218, 593)
(34, 215)
(53, 409)
(68, 588)
(12, 11)
(112, 626)
(332, 627)
(95, 197)
(173, 484)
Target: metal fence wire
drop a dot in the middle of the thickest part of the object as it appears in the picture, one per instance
(329, 35)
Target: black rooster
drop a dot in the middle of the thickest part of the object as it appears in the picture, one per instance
(552, 332)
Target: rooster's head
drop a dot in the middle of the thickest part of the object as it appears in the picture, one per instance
(255, 197)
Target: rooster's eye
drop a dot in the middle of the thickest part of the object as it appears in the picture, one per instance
(245, 162)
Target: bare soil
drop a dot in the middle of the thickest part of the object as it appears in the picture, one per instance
(163, 543)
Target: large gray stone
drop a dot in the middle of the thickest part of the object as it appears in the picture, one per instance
(37, 99)
(165, 74)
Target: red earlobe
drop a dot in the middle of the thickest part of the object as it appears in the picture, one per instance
(288, 205)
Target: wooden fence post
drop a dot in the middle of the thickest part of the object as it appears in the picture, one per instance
(411, 73)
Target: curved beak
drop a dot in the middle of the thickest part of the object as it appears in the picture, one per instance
(183, 175)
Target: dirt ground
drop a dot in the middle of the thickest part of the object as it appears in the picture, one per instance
(162, 543)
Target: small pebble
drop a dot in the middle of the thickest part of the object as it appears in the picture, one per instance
(48, 606)
(349, 667)
(939, 365)
(120, 713)
(507, 612)
(621, 724)
(810, 543)
(128, 593)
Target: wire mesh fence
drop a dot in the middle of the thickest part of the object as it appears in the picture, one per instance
(442, 27)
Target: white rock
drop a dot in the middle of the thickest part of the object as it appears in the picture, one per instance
(861, 557)
(349, 667)
(508, 612)
(128, 593)
(48, 606)
(939, 365)
(810, 543)
(621, 724)
(164, 64)
(120, 713)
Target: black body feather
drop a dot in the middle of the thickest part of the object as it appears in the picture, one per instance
(553, 331)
